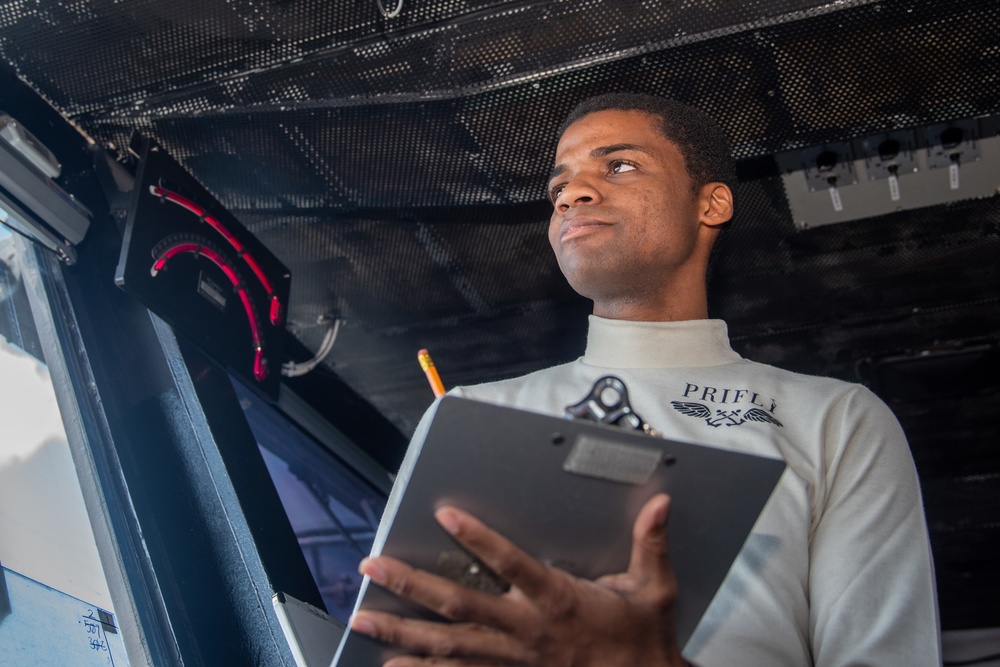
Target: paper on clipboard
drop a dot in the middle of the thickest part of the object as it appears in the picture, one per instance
(524, 475)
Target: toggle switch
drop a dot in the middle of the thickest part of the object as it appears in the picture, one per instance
(829, 167)
(889, 156)
(951, 145)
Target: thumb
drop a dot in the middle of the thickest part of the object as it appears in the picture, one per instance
(649, 562)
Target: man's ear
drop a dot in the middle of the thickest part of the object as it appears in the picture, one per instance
(715, 204)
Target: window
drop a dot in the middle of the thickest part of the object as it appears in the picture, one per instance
(52, 578)
(333, 510)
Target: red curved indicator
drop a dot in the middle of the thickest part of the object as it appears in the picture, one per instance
(276, 311)
(160, 262)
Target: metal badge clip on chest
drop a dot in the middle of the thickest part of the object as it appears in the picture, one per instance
(607, 403)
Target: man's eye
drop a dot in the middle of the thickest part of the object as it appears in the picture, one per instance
(620, 167)
(555, 192)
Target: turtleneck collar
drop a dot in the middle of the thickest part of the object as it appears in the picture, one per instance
(685, 344)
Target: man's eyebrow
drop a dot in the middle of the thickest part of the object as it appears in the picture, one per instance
(558, 169)
(602, 151)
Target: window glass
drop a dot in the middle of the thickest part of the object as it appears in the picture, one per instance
(333, 510)
(47, 546)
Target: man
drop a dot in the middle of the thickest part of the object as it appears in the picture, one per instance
(837, 570)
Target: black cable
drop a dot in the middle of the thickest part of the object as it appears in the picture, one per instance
(972, 661)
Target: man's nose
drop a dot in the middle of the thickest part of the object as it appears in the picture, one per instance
(578, 190)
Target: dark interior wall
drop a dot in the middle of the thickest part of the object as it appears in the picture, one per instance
(397, 167)
(190, 529)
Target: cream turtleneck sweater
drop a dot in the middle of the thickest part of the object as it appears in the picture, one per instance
(838, 568)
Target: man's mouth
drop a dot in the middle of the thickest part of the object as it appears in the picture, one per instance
(577, 227)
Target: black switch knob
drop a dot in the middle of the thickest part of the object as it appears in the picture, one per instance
(951, 137)
(826, 161)
(888, 150)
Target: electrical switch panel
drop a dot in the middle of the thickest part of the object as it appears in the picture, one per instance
(892, 171)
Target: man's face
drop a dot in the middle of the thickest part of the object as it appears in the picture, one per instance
(625, 215)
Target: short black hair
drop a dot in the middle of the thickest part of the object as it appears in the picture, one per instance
(707, 152)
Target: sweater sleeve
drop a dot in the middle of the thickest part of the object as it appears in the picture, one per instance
(871, 579)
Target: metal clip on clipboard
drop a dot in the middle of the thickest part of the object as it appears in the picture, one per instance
(607, 403)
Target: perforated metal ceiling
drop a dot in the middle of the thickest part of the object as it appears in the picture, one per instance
(397, 167)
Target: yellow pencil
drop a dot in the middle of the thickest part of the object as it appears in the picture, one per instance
(424, 357)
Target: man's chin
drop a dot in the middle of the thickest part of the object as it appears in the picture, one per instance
(588, 280)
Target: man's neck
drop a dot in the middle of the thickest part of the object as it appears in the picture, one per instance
(670, 296)
(689, 306)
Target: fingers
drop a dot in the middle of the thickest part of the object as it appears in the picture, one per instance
(622, 583)
(453, 601)
(649, 564)
(649, 567)
(499, 554)
(476, 644)
(547, 613)
(413, 661)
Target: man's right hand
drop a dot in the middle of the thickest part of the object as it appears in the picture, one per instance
(548, 618)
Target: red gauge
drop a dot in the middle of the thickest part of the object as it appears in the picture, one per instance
(195, 265)
(275, 311)
(179, 244)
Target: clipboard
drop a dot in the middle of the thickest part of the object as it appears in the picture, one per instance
(566, 492)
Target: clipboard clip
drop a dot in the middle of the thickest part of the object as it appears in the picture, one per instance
(607, 403)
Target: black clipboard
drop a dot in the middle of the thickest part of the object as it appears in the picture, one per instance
(567, 492)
